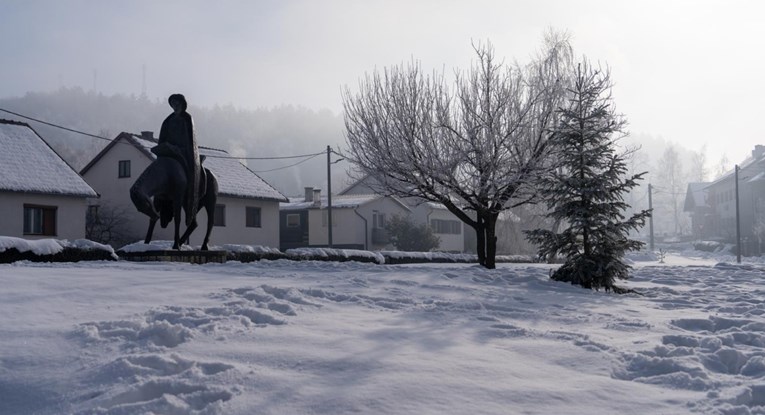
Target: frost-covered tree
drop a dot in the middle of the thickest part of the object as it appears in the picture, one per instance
(587, 192)
(477, 148)
(107, 224)
(672, 191)
(723, 166)
(406, 235)
(697, 171)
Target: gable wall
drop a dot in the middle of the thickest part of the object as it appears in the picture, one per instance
(347, 227)
(384, 205)
(236, 231)
(449, 242)
(115, 191)
(70, 214)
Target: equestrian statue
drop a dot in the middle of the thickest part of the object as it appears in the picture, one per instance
(176, 181)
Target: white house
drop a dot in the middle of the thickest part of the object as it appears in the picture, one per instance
(358, 221)
(247, 210)
(445, 225)
(721, 199)
(41, 196)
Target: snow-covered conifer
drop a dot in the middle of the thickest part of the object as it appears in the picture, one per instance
(586, 192)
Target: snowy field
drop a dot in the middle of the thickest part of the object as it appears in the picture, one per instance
(284, 337)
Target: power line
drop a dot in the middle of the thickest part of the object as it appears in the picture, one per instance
(291, 165)
(266, 158)
(138, 136)
(55, 125)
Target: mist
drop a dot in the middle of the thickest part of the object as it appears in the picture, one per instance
(688, 71)
(283, 131)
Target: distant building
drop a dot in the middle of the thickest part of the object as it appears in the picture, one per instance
(445, 225)
(358, 221)
(247, 210)
(721, 199)
(702, 220)
(41, 196)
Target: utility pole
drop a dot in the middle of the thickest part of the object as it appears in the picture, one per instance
(650, 218)
(329, 198)
(143, 81)
(738, 222)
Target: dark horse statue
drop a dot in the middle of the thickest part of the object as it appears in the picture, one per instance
(159, 193)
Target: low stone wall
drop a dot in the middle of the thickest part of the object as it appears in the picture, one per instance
(66, 255)
(192, 257)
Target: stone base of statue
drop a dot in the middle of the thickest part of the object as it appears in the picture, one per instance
(192, 257)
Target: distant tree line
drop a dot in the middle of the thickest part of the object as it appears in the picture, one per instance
(280, 131)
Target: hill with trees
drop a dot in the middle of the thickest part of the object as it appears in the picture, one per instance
(263, 132)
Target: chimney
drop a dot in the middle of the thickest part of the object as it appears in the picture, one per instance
(317, 197)
(309, 194)
(758, 151)
(148, 135)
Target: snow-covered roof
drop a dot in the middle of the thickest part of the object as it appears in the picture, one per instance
(758, 178)
(338, 202)
(695, 196)
(436, 205)
(28, 164)
(755, 161)
(234, 178)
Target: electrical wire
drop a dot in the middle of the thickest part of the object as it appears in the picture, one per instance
(55, 125)
(267, 158)
(138, 136)
(291, 165)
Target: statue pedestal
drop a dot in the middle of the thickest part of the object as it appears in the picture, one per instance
(193, 257)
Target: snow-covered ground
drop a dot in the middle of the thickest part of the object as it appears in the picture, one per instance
(285, 337)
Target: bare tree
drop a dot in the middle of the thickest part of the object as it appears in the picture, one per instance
(723, 165)
(477, 149)
(672, 190)
(107, 224)
(697, 171)
(637, 161)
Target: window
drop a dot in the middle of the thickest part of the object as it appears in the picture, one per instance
(293, 220)
(446, 226)
(39, 220)
(220, 215)
(124, 169)
(253, 217)
(92, 214)
(378, 220)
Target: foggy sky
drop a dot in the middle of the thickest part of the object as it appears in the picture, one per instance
(691, 72)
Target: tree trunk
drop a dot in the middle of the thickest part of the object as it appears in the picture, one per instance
(491, 241)
(480, 233)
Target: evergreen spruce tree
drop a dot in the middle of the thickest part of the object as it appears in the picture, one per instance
(586, 193)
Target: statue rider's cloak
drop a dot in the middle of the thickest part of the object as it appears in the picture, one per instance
(178, 130)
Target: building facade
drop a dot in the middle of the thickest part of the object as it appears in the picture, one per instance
(41, 196)
(722, 201)
(444, 224)
(358, 221)
(247, 209)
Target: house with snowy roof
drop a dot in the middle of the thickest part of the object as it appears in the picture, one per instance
(358, 221)
(41, 196)
(721, 198)
(247, 210)
(445, 225)
(696, 206)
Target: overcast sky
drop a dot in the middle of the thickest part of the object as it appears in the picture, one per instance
(691, 72)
